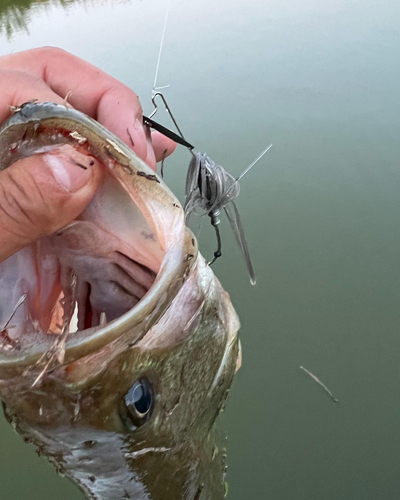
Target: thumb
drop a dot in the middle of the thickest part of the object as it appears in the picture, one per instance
(43, 193)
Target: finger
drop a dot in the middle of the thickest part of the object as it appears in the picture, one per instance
(150, 158)
(92, 91)
(163, 146)
(17, 87)
(41, 194)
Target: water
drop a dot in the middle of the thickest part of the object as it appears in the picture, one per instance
(320, 81)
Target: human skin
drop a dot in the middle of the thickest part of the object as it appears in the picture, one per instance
(41, 194)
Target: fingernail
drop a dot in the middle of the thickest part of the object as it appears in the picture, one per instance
(72, 174)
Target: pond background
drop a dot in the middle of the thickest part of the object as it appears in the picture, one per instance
(320, 80)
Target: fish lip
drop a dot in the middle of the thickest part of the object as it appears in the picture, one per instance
(175, 266)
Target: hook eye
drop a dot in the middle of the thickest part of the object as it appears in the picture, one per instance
(153, 100)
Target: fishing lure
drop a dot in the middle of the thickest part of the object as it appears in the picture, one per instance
(210, 189)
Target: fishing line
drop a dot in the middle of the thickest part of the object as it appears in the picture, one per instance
(161, 48)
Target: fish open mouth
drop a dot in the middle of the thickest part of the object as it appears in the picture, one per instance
(114, 268)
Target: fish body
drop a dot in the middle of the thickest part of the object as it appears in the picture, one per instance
(125, 402)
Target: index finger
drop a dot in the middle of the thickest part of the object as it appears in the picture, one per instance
(93, 91)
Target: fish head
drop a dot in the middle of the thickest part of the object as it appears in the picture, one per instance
(120, 355)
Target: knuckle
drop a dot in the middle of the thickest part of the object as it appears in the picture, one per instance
(49, 51)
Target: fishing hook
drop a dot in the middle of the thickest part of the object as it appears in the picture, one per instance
(180, 139)
(215, 221)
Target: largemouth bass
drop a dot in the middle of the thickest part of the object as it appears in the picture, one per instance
(118, 345)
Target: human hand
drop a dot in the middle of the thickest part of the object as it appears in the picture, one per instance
(43, 193)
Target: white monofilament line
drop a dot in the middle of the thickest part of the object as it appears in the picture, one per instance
(245, 171)
(160, 51)
(253, 163)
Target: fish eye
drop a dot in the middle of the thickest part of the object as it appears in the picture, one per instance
(137, 405)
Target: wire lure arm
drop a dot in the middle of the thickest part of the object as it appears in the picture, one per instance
(215, 220)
